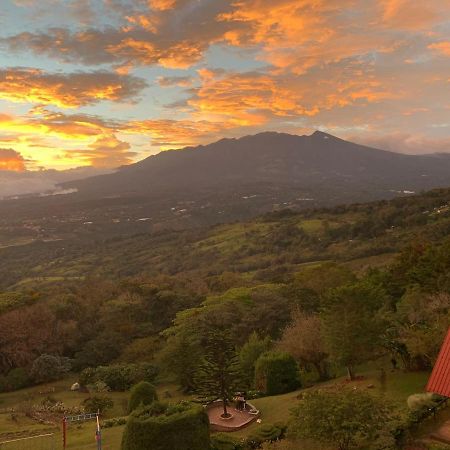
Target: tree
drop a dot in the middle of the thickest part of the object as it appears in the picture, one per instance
(218, 375)
(142, 393)
(322, 278)
(304, 341)
(47, 368)
(421, 323)
(26, 333)
(276, 373)
(345, 417)
(181, 357)
(249, 354)
(101, 350)
(351, 325)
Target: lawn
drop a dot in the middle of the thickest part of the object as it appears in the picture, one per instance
(398, 387)
(17, 425)
(83, 437)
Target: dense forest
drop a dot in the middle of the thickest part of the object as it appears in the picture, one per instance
(333, 289)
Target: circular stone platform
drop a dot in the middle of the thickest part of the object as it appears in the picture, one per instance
(239, 419)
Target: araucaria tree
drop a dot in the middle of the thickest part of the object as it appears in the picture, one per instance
(218, 375)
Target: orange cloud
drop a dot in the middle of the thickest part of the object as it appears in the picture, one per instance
(250, 99)
(162, 5)
(47, 123)
(246, 99)
(441, 47)
(298, 35)
(179, 55)
(67, 90)
(105, 152)
(51, 137)
(169, 134)
(412, 14)
(313, 57)
(11, 160)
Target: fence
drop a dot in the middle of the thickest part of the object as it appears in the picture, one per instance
(41, 442)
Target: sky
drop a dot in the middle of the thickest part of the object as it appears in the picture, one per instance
(105, 83)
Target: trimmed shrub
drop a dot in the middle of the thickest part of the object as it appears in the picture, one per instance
(223, 441)
(266, 433)
(158, 427)
(276, 373)
(143, 394)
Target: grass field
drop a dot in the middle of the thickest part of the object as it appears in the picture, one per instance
(399, 386)
(80, 436)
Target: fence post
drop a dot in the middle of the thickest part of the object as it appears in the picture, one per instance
(64, 430)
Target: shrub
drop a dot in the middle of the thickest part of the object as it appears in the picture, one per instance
(142, 393)
(47, 368)
(249, 354)
(4, 386)
(98, 386)
(223, 441)
(119, 377)
(146, 372)
(344, 418)
(99, 403)
(17, 379)
(104, 348)
(417, 402)
(87, 376)
(276, 373)
(115, 422)
(266, 433)
(156, 427)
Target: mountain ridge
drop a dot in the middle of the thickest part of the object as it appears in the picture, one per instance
(273, 157)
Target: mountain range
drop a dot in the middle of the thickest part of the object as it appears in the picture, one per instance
(307, 163)
(229, 180)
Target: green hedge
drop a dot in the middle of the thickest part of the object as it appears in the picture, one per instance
(143, 394)
(158, 427)
(119, 377)
(276, 373)
(223, 441)
(264, 433)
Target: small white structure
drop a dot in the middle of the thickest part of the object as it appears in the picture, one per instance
(75, 387)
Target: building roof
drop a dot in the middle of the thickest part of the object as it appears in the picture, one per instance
(439, 382)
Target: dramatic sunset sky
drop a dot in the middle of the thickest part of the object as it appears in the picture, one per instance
(109, 82)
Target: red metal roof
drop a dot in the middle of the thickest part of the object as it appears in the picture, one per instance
(439, 382)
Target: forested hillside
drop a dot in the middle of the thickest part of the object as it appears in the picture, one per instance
(333, 289)
(270, 248)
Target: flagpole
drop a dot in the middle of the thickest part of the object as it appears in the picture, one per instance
(98, 434)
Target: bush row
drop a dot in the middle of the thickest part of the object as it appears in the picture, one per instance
(119, 377)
